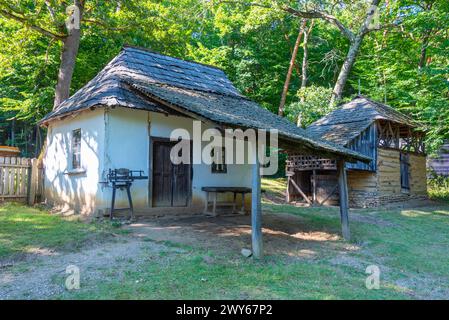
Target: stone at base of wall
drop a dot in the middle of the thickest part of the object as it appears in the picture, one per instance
(372, 200)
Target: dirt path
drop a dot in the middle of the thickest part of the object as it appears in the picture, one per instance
(286, 236)
(43, 277)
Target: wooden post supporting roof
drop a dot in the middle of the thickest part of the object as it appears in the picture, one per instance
(313, 186)
(344, 202)
(256, 210)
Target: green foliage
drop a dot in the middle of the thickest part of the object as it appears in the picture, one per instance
(252, 44)
(438, 187)
(312, 104)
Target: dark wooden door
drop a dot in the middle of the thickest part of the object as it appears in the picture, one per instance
(405, 181)
(171, 183)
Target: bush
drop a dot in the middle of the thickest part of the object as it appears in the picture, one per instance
(439, 188)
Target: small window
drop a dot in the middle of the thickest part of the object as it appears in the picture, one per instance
(76, 149)
(219, 161)
(405, 179)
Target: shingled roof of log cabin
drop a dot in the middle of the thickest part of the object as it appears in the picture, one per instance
(350, 119)
(141, 79)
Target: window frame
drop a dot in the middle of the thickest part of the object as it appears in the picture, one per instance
(219, 168)
(76, 149)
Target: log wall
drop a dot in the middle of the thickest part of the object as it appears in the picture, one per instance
(383, 187)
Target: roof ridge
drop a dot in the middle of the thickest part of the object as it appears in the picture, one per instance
(166, 55)
(386, 107)
(343, 122)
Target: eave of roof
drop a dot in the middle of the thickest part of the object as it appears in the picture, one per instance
(235, 111)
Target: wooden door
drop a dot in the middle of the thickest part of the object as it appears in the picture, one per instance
(171, 183)
(405, 181)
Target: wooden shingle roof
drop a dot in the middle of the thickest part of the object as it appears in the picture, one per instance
(350, 119)
(141, 79)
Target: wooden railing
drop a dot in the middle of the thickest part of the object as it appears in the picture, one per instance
(19, 179)
(304, 163)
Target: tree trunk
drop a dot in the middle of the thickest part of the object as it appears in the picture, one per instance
(68, 58)
(345, 69)
(290, 69)
(305, 64)
(423, 55)
(305, 61)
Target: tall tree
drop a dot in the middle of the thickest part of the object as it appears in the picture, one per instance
(29, 14)
(355, 39)
(290, 68)
(323, 10)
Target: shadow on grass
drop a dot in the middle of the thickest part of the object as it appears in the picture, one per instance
(25, 230)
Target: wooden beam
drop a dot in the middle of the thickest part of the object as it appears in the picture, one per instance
(314, 186)
(344, 201)
(32, 182)
(256, 210)
(329, 195)
(300, 191)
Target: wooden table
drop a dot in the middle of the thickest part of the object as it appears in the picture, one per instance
(216, 190)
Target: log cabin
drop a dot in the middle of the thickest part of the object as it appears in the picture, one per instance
(394, 142)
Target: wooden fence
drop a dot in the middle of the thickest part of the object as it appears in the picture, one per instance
(20, 180)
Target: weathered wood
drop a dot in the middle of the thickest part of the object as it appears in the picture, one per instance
(314, 186)
(344, 200)
(256, 210)
(33, 181)
(171, 183)
(304, 163)
(300, 191)
(329, 195)
(6, 181)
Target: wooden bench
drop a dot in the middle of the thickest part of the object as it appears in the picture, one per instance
(216, 190)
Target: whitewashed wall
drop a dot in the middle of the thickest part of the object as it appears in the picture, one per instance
(237, 175)
(64, 188)
(119, 138)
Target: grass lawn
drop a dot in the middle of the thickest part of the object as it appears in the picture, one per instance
(25, 230)
(410, 247)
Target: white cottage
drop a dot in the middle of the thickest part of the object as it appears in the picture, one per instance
(123, 118)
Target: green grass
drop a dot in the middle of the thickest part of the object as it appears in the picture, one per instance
(25, 230)
(274, 186)
(409, 247)
(189, 276)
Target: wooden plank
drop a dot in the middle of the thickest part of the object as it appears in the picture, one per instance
(12, 177)
(12, 196)
(1, 179)
(329, 195)
(6, 181)
(256, 210)
(314, 186)
(24, 182)
(32, 185)
(300, 191)
(344, 201)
